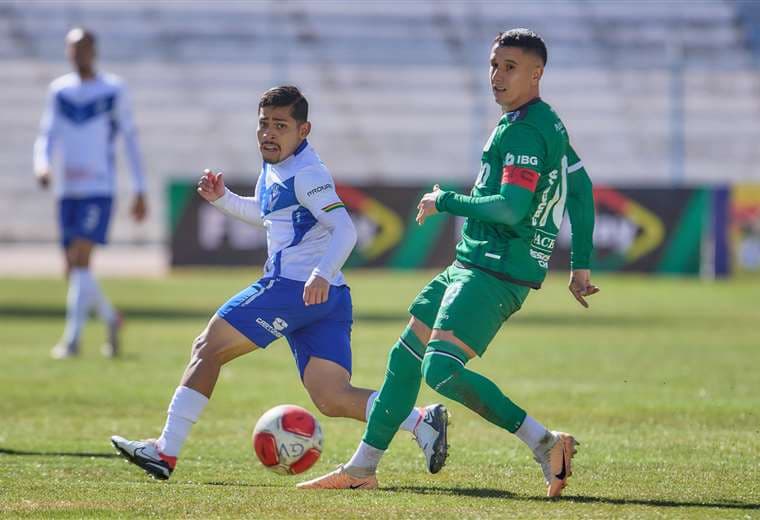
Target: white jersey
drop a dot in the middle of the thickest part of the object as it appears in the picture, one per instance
(308, 229)
(77, 134)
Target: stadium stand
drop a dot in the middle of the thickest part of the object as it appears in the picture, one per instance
(398, 95)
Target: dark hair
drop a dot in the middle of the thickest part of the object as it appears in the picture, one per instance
(524, 39)
(287, 96)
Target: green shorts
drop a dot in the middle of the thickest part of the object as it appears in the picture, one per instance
(468, 302)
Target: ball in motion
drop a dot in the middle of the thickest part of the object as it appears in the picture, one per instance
(287, 439)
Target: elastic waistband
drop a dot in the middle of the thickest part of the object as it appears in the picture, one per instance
(497, 274)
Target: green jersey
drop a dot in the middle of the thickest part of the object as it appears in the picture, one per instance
(528, 149)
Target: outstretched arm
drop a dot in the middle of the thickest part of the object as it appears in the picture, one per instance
(518, 183)
(211, 187)
(507, 207)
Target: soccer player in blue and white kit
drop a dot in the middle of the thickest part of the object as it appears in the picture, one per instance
(85, 111)
(302, 296)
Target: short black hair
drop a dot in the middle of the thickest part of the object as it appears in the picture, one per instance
(524, 39)
(287, 96)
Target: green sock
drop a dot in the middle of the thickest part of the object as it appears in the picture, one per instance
(444, 370)
(398, 393)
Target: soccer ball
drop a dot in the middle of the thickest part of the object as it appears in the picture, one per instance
(287, 439)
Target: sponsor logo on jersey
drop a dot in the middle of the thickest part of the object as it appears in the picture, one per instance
(269, 328)
(318, 189)
(541, 258)
(523, 177)
(544, 241)
(528, 160)
(280, 324)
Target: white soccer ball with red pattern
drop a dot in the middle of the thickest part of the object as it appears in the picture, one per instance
(287, 439)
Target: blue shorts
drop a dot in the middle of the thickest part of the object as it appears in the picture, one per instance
(86, 218)
(273, 308)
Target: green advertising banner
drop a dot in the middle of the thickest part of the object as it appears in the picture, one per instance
(660, 230)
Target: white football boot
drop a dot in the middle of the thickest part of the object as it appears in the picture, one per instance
(65, 350)
(555, 458)
(145, 455)
(431, 435)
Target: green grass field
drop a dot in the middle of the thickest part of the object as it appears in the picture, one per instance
(659, 380)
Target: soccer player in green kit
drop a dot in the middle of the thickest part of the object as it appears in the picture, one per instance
(529, 174)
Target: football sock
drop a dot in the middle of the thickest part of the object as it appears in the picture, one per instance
(76, 306)
(184, 411)
(365, 460)
(444, 370)
(409, 424)
(398, 393)
(97, 298)
(532, 433)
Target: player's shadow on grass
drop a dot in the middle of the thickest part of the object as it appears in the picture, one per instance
(501, 493)
(23, 453)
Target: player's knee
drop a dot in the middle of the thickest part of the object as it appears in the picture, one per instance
(204, 350)
(438, 368)
(328, 401)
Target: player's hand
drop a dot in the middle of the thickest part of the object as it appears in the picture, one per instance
(580, 285)
(211, 185)
(43, 178)
(139, 208)
(426, 206)
(316, 290)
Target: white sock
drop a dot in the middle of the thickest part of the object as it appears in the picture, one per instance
(531, 432)
(98, 298)
(365, 460)
(409, 424)
(76, 306)
(184, 411)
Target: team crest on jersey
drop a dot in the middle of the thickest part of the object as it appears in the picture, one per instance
(274, 194)
(514, 116)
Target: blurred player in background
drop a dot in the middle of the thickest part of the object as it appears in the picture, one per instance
(85, 111)
(528, 175)
(303, 295)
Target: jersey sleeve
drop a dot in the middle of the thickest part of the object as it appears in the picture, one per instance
(580, 210)
(524, 153)
(43, 145)
(315, 190)
(246, 209)
(125, 121)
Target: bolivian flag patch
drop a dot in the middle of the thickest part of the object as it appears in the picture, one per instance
(334, 205)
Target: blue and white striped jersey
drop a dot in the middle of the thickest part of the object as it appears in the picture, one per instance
(295, 200)
(77, 134)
